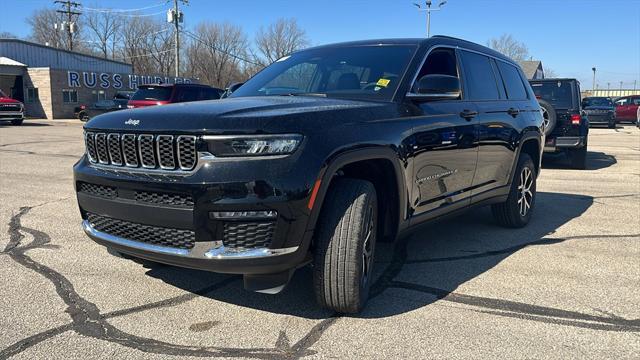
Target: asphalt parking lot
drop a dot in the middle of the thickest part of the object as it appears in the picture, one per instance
(566, 286)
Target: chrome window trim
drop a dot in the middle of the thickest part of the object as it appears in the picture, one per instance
(135, 146)
(440, 46)
(152, 149)
(117, 136)
(173, 160)
(195, 150)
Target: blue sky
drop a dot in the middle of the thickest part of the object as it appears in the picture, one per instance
(569, 36)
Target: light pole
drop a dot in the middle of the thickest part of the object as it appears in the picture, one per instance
(428, 9)
(594, 79)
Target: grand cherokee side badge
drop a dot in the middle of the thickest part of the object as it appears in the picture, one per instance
(132, 122)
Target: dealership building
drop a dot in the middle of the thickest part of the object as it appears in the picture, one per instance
(53, 82)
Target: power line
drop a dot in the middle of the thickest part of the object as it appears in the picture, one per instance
(107, 10)
(196, 38)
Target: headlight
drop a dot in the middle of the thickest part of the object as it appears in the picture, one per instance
(253, 145)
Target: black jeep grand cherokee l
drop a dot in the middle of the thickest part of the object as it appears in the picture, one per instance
(313, 160)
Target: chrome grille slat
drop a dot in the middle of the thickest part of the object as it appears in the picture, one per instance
(146, 151)
(187, 155)
(129, 150)
(115, 152)
(101, 148)
(143, 151)
(165, 148)
(90, 144)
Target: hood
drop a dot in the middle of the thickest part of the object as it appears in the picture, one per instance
(242, 115)
(7, 100)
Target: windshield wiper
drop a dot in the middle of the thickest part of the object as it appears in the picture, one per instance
(304, 94)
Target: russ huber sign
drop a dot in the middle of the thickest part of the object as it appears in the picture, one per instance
(89, 79)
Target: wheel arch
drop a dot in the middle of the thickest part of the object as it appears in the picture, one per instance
(380, 166)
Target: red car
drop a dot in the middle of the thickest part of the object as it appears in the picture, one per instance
(627, 108)
(162, 94)
(11, 109)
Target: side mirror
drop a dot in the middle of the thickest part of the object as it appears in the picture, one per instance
(437, 87)
(233, 87)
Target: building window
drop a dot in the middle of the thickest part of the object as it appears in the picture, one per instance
(69, 96)
(32, 95)
(99, 95)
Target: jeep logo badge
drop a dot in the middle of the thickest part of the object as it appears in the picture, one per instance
(132, 122)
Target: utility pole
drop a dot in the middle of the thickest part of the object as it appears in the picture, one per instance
(69, 25)
(594, 79)
(620, 85)
(175, 16)
(428, 9)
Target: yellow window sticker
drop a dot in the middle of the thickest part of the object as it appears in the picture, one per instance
(383, 82)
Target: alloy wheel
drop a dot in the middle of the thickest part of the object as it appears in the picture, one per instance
(525, 193)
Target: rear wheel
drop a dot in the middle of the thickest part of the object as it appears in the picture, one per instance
(516, 211)
(345, 246)
(612, 124)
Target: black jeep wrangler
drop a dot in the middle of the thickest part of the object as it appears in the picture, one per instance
(566, 126)
(313, 160)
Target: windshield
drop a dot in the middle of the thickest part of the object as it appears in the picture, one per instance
(597, 102)
(352, 72)
(558, 93)
(153, 93)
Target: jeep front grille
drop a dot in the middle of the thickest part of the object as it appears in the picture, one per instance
(147, 151)
(175, 238)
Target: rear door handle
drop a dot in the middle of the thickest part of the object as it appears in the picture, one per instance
(513, 112)
(468, 114)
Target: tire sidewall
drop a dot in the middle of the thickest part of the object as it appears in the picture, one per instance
(524, 161)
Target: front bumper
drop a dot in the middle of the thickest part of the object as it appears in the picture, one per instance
(11, 115)
(214, 186)
(564, 142)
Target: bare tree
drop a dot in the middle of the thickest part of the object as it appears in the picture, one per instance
(215, 53)
(43, 31)
(550, 73)
(279, 39)
(104, 32)
(7, 35)
(510, 47)
(147, 45)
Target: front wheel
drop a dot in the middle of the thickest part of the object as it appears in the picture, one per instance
(344, 246)
(516, 211)
(578, 158)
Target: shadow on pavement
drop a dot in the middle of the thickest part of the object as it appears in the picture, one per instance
(439, 257)
(596, 160)
(26, 123)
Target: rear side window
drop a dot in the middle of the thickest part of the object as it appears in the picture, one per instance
(512, 81)
(481, 80)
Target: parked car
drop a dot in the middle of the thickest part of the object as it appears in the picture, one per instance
(627, 108)
(119, 102)
(11, 110)
(566, 125)
(162, 94)
(314, 160)
(600, 111)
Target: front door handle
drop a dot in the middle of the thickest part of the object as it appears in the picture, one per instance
(513, 112)
(468, 114)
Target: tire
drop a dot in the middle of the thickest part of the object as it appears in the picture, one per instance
(17, 122)
(513, 212)
(549, 115)
(81, 116)
(612, 124)
(578, 157)
(345, 246)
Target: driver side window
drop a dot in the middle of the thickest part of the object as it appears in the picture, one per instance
(439, 62)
